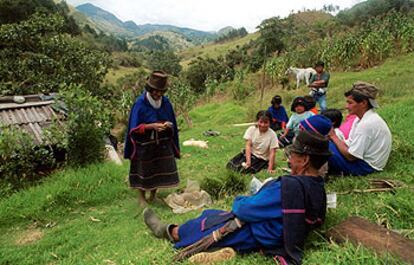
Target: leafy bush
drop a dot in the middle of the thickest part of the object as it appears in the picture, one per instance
(202, 69)
(88, 122)
(240, 90)
(20, 159)
(166, 61)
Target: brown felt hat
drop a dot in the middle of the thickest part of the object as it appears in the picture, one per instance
(310, 143)
(366, 89)
(158, 80)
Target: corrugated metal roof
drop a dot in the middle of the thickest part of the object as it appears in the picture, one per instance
(31, 117)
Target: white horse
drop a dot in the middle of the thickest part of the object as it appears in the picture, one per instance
(301, 74)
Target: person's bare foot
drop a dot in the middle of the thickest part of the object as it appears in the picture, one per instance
(142, 202)
(155, 199)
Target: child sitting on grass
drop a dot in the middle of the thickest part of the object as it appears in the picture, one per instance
(261, 144)
(300, 113)
(278, 112)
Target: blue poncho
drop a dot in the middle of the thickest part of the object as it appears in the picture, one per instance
(143, 113)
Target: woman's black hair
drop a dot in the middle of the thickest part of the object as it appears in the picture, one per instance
(298, 101)
(334, 115)
(263, 115)
(276, 100)
(310, 102)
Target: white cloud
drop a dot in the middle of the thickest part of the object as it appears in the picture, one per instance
(206, 15)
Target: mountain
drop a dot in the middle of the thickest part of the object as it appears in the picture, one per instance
(225, 30)
(105, 21)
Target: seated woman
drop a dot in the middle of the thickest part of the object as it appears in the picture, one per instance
(300, 113)
(261, 144)
(278, 112)
(275, 220)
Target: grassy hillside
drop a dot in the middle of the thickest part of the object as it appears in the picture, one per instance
(214, 50)
(89, 216)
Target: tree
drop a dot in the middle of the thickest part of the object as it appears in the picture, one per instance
(272, 32)
(166, 61)
(36, 56)
(201, 69)
(14, 11)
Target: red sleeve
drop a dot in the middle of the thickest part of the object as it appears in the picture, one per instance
(140, 129)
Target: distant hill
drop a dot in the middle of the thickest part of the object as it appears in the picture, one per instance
(225, 31)
(361, 12)
(161, 40)
(310, 18)
(107, 22)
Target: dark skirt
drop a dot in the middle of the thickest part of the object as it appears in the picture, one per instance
(153, 163)
(257, 164)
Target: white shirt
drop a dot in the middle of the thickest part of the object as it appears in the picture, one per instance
(370, 140)
(261, 142)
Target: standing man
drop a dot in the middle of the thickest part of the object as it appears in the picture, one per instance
(319, 84)
(369, 144)
(152, 140)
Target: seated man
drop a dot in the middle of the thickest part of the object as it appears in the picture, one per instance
(369, 144)
(275, 220)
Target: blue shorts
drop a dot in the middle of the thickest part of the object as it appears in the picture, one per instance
(339, 165)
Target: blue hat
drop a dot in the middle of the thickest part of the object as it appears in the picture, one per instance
(318, 124)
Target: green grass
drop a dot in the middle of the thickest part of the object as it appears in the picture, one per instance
(90, 216)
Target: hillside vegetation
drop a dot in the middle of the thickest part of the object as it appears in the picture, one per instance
(82, 211)
(214, 50)
(90, 216)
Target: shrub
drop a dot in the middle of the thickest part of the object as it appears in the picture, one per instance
(203, 69)
(20, 159)
(240, 90)
(88, 122)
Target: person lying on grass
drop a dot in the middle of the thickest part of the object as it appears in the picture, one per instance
(275, 220)
(260, 149)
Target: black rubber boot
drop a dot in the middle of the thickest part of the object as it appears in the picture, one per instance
(158, 228)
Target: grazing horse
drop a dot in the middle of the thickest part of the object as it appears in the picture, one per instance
(301, 74)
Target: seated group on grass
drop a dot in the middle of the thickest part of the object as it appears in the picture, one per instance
(277, 219)
(360, 145)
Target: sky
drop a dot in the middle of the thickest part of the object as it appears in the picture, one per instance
(207, 15)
